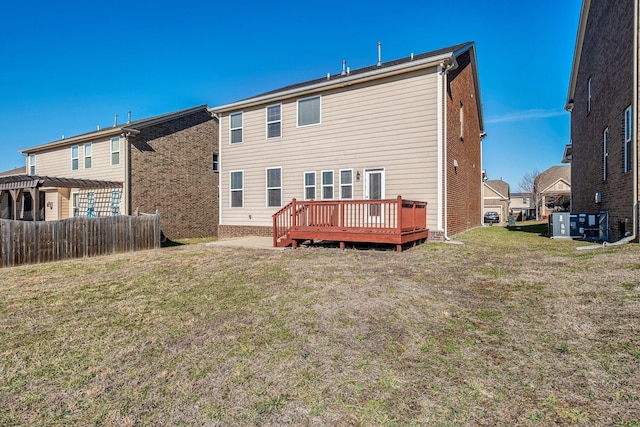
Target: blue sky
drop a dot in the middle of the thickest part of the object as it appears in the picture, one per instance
(67, 67)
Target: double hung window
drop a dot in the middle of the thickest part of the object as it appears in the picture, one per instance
(309, 185)
(274, 187)
(236, 188)
(235, 127)
(327, 185)
(274, 121)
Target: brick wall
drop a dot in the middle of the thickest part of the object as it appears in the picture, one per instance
(607, 59)
(171, 171)
(229, 231)
(464, 183)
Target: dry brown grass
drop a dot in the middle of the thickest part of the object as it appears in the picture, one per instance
(508, 329)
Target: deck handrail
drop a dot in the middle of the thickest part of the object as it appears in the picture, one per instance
(380, 215)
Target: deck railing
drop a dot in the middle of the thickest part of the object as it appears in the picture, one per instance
(374, 216)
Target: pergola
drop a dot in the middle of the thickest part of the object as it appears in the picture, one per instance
(16, 185)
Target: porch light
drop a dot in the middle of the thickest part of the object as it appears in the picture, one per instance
(357, 175)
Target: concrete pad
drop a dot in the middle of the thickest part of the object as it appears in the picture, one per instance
(249, 242)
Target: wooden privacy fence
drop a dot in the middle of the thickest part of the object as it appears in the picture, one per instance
(28, 242)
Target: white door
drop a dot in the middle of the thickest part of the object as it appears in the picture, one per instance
(374, 190)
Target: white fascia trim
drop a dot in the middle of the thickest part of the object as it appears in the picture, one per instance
(577, 53)
(342, 82)
(440, 156)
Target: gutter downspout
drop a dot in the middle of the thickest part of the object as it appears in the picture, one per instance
(219, 117)
(127, 173)
(440, 155)
(445, 68)
(634, 236)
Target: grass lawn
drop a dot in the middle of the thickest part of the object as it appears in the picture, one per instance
(510, 328)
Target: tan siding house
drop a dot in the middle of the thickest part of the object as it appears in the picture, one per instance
(373, 133)
(163, 163)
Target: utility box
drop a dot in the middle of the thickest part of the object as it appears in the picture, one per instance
(579, 225)
(559, 225)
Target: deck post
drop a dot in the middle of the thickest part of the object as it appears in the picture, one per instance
(342, 246)
(294, 214)
(399, 216)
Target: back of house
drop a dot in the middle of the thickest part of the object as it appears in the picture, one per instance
(410, 127)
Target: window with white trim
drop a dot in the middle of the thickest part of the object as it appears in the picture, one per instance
(309, 111)
(91, 204)
(628, 135)
(32, 164)
(75, 204)
(88, 149)
(116, 196)
(75, 156)
(216, 164)
(274, 187)
(346, 184)
(327, 185)
(274, 121)
(309, 185)
(235, 127)
(115, 151)
(605, 153)
(236, 189)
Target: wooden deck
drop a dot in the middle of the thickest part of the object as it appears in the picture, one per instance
(392, 221)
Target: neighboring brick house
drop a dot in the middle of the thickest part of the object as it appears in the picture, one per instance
(603, 101)
(497, 197)
(163, 163)
(553, 190)
(411, 127)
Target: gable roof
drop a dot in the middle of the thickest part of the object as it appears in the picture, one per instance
(552, 175)
(577, 53)
(446, 55)
(17, 171)
(499, 187)
(133, 127)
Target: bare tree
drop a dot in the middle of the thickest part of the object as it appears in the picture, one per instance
(528, 186)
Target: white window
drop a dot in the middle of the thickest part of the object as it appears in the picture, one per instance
(32, 164)
(236, 188)
(87, 155)
(116, 196)
(74, 157)
(274, 121)
(235, 127)
(605, 153)
(309, 185)
(589, 95)
(628, 135)
(327, 185)
(274, 187)
(309, 111)
(75, 204)
(115, 151)
(346, 184)
(91, 204)
(216, 163)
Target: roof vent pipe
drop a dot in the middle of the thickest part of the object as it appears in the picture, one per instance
(129, 116)
(348, 71)
(412, 56)
(328, 76)
(115, 120)
(344, 68)
(379, 54)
